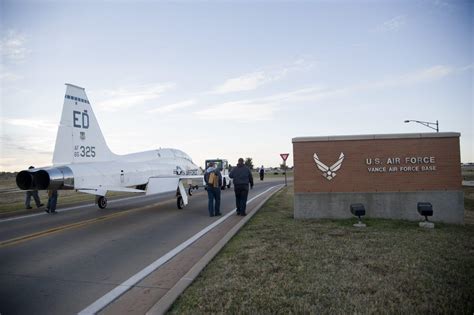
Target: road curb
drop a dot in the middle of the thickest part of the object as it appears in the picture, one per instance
(168, 299)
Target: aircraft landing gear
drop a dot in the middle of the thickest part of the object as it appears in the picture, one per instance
(182, 195)
(180, 202)
(191, 188)
(101, 201)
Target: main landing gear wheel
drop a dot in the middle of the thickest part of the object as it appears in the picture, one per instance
(102, 202)
(180, 202)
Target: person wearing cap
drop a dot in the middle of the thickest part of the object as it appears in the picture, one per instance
(34, 194)
(242, 177)
(213, 179)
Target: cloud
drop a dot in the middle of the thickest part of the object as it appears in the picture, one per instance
(264, 108)
(445, 5)
(240, 111)
(172, 107)
(257, 109)
(392, 25)
(13, 46)
(20, 152)
(121, 98)
(467, 67)
(423, 75)
(429, 74)
(9, 77)
(252, 81)
(31, 123)
(246, 82)
(303, 94)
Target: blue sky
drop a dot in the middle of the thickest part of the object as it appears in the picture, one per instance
(236, 78)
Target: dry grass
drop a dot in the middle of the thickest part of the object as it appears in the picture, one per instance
(280, 265)
(469, 198)
(468, 174)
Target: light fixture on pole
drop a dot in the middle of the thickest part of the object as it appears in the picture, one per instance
(426, 123)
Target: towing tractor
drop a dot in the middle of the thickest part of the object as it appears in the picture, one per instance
(223, 166)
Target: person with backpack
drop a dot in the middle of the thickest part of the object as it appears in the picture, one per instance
(242, 178)
(213, 179)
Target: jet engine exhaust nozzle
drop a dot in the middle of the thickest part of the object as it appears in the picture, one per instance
(54, 178)
(24, 180)
(49, 178)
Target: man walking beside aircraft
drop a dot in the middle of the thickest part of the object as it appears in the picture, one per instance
(242, 178)
(34, 194)
(213, 179)
(52, 201)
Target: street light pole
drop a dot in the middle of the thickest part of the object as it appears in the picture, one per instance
(426, 123)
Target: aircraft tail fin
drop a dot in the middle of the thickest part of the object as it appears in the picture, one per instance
(79, 138)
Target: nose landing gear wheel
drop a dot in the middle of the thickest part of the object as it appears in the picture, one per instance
(180, 202)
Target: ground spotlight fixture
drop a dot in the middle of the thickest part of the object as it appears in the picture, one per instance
(426, 123)
(358, 210)
(425, 209)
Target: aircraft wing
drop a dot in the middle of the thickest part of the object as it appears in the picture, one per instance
(155, 185)
(102, 190)
(158, 185)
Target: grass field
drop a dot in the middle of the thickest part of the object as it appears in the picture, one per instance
(468, 174)
(276, 264)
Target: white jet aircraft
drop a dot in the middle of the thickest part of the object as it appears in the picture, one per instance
(83, 161)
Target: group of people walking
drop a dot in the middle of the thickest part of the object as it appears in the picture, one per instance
(242, 177)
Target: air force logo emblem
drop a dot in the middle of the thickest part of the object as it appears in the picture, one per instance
(329, 172)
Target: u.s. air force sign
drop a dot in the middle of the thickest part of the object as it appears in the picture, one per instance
(388, 173)
(410, 164)
(406, 164)
(329, 172)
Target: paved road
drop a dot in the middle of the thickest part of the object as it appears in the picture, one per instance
(60, 264)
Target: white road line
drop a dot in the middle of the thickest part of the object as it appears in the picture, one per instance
(128, 284)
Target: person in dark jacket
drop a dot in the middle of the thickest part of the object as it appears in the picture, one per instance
(261, 172)
(52, 201)
(34, 194)
(213, 179)
(242, 178)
